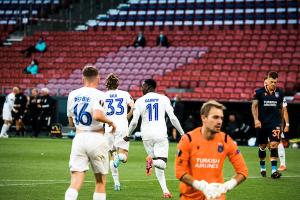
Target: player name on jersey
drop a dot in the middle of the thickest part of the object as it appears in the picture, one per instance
(207, 163)
(83, 98)
(151, 100)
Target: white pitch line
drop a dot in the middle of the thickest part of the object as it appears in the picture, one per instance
(50, 182)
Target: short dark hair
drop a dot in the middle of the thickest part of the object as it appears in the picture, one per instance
(273, 74)
(90, 71)
(112, 81)
(208, 105)
(151, 83)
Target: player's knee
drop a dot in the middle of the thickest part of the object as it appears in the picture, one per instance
(160, 163)
(274, 152)
(262, 153)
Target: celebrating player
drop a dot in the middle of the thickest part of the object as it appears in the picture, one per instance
(86, 113)
(152, 108)
(116, 104)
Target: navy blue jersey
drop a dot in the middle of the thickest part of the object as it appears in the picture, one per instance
(269, 107)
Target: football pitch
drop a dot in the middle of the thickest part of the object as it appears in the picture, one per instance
(37, 169)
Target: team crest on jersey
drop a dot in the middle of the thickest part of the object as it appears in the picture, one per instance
(276, 94)
(220, 148)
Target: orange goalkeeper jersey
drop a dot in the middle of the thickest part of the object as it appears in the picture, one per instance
(204, 159)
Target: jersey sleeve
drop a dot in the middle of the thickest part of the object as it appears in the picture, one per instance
(256, 95)
(98, 103)
(182, 157)
(69, 109)
(128, 98)
(236, 157)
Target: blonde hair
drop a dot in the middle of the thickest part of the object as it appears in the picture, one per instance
(208, 105)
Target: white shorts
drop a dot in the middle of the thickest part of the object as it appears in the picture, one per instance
(116, 141)
(89, 147)
(157, 147)
(6, 115)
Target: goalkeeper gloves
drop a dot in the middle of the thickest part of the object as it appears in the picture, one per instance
(228, 185)
(211, 191)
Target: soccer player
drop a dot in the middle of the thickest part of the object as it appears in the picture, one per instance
(285, 116)
(85, 112)
(200, 158)
(116, 104)
(7, 112)
(267, 113)
(19, 110)
(152, 108)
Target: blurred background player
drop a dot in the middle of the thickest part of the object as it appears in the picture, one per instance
(284, 137)
(19, 111)
(47, 109)
(85, 112)
(267, 113)
(201, 154)
(152, 108)
(7, 112)
(116, 104)
(34, 110)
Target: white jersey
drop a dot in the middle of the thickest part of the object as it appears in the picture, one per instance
(116, 103)
(9, 102)
(81, 105)
(152, 108)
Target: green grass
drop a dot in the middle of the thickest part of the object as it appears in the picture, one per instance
(37, 169)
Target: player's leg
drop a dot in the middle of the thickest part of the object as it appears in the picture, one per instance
(149, 148)
(161, 148)
(18, 126)
(122, 149)
(274, 136)
(5, 128)
(77, 179)
(78, 166)
(114, 172)
(262, 141)
(281, 155)
(99, 159)
(99, 193)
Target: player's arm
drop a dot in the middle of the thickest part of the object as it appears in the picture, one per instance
(134, 121)
(239, 165)
(286, 119)
(130, 113)
(100, 116)
(174, 120)
(254, 109)
(71, 123)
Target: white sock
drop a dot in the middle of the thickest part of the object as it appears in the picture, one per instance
(99, 196)
(122, 157)
(71, 194)
(4, 129)
(114, 172)
(159, 164)
(281, 154)
(160, 175)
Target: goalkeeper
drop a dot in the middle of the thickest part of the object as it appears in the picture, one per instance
(200, 158)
